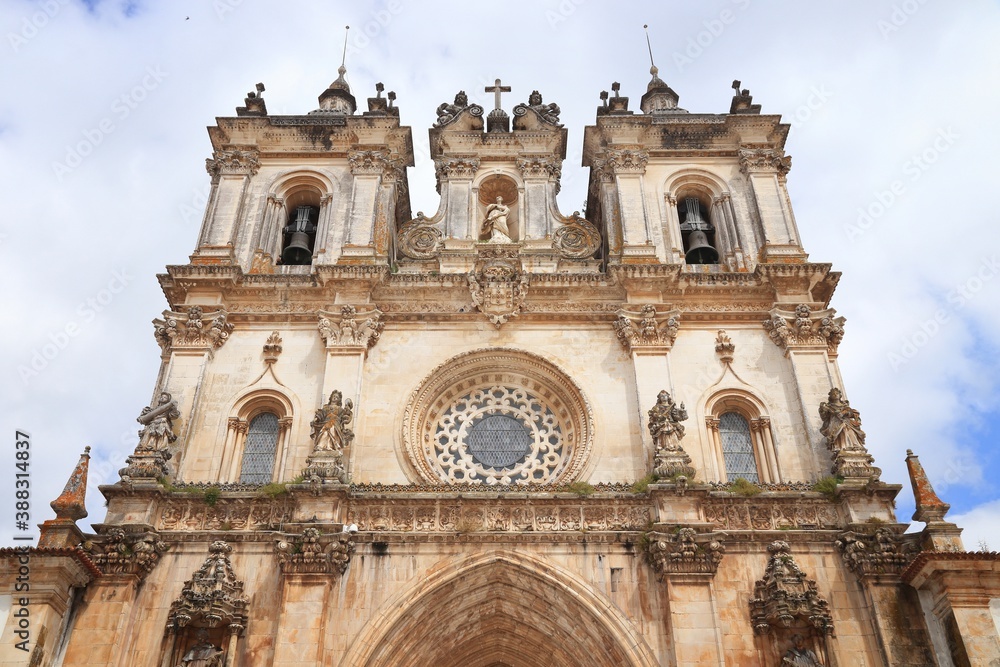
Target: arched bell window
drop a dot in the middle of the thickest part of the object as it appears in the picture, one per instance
(259, 449)
(299, 236)
(697, 231)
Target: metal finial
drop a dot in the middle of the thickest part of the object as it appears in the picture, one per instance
(650, 47)
(343, 58)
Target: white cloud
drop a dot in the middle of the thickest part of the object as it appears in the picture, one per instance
(980, 526)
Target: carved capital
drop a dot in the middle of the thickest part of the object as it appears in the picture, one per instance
(764, 160)
(122, 552)
(228, 162)
(683, 552)
(371, 162)
(238, 425)
(712, 423)
(804, 328)
(625, 161)
(192, 330)
(647, 327)
(310, 552)
(879, 552)
(539, 167)
(456, 168)
(350, 328)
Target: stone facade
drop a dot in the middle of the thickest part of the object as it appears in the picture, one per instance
(501, 435)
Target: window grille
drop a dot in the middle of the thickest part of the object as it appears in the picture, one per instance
(259, 449)
(737, 448)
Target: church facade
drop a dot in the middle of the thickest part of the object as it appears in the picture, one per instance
(501, 435)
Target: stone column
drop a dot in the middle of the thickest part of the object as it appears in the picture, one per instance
(674, 244)
(455, 177)
(231, 172)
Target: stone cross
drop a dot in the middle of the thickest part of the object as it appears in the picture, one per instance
(496, 90)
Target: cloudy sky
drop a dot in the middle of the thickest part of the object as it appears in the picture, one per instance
(893, 104)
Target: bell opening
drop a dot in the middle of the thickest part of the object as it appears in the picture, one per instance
(300, 236)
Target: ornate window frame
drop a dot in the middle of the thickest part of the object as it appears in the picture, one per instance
(716, 200)
(288, 191)
(537, 382)
(754, 411)
(238, 424)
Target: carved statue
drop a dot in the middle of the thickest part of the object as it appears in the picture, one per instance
(329, 427)
(158, 425)
(664, 422)
(841, 423)
(800, 656)
(447, 112)
(550, 112)
(495, 223)
(202, 654)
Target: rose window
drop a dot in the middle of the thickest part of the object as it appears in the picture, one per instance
(497, 417)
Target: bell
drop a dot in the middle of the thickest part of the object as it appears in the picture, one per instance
(699, 250)
(297, 251)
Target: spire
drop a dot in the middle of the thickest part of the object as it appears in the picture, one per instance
(71, 504)
(337, 98)
(659, 97)
(929, 506)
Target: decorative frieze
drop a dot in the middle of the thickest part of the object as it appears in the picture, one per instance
(419, 238)
(882, 552)
(683, 552)
(311, 552)
(647, 327)
(233, 162)
(226, 514)
(804, 327)
(770, 513)
(764, 160)
(785, 596)
(845, 439)
(347, 329)
(577, 238)
(213, 597)
(193, 329)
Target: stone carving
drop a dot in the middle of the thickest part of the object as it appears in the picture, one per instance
(330, 435)
(684, 552)
(419, 238)
(770, 514)
(724, 347)
(236, 514)
(126, 553)
(495, 223)
(577, 238)
(311, 553)
(804, 327)
(798, 655)
(499, 287)
(623, 161)
(230, 162)
(647, 328)
(261, 263)
(785, 597)
(211, 598)
(149, 460)
(539, 167)
(446, 113)
(345, 329)
(203, 654)
(881, 552)
(272, 348)
(758, 160)
(464, 168)
(508, 516)
(669, 458)
(194, 329)
(548, 113)
(844, 437)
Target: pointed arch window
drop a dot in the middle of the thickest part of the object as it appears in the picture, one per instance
(259, 450)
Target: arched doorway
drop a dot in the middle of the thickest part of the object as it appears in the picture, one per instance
(500, 610)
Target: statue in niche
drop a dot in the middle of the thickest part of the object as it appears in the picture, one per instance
(495, 224)
(158, 424)
(665, 422)
(329, 427)
(447, 112)
(800, 656)
(841, 423)
(202, 654)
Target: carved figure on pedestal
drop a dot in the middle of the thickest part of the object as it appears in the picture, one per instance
(550, 112)
(495, 224)
(800, 656)
(841, 423)
(669, 458)
(158, 425)
(202, 654)
(329, 427)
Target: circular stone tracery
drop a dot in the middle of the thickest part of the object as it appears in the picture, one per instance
(497, 417)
